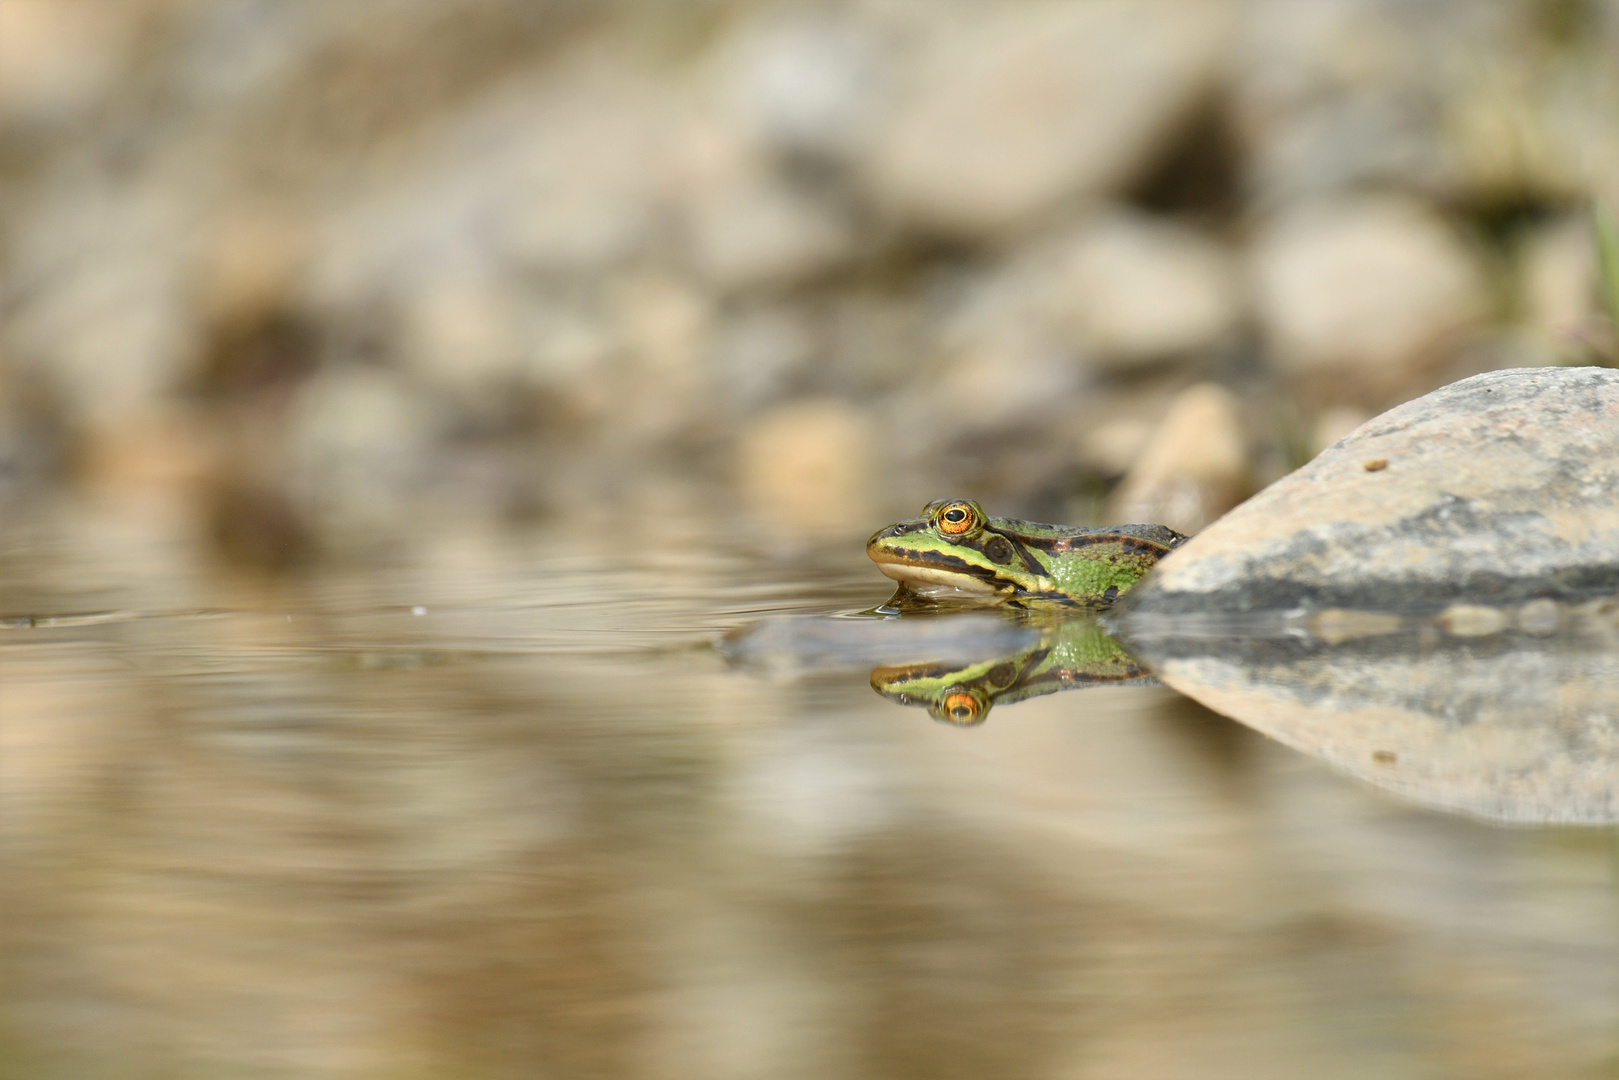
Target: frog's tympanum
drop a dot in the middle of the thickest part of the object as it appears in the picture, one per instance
(955, 551)
(1072, 654)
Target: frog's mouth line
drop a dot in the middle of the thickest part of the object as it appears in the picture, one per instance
(933, 571)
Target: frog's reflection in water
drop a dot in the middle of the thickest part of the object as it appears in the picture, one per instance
(1070, 653)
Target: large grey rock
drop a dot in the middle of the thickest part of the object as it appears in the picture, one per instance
(1493, 490)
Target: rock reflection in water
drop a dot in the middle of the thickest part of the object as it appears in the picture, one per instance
(1510, 714)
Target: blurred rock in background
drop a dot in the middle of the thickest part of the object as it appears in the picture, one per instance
(512, 254)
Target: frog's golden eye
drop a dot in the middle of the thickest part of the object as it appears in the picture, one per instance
(960, 707)
(956, 518)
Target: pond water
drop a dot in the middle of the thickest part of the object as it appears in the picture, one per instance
(488, 801)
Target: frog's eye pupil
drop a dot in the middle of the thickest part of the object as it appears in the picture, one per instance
(955, 516)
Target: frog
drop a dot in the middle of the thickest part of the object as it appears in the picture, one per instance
(956, 552)
(1071, 654)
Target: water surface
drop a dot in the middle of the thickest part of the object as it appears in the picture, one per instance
(484, 800)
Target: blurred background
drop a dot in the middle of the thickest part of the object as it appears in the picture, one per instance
(319, 266)
(397, 395)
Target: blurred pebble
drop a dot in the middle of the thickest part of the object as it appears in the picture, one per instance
(1194, 466)
(1111, 447)
(760, 232)
(58, 56)
(1364, 286)
(757, 352)
(801, 84)
(806, 467)
(667, 329)
(564, 342)
(360, 439)
(1013, 110)
(101, 286)
(250, 265)
(668, 325)
(1130, 288)
(461, 335)
(175, 448)
(1009, 379)
(577, 169)
(1558, 276)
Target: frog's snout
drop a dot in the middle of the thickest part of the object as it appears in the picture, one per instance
(875, 546)
(885, 534)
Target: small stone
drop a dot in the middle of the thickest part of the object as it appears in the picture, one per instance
(1129, 288)
(1471, 620)
(1558, 276)
(57, 58)
(1193, 468)
(801, 83)
(1003, 381)
(1015, 109)
(571, 171)
(99, 286)
(175, 448)
(760, 232)
(462, 335)
(252, 259)
(759, 350)
(361, 439)
(1111, 447)
(1376, 464)
(1364, 286)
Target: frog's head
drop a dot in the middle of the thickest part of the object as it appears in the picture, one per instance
(954, 549)
(957, 696)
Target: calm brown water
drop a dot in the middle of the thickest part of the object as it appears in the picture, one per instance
(485, 802)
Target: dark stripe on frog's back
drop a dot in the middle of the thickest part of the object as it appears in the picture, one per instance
(1057, 539)
(1053, 678)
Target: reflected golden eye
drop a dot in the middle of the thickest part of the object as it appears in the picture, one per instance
(959, 707)
(956, 518)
